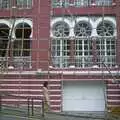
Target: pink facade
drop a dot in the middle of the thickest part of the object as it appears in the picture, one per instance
(28, 82)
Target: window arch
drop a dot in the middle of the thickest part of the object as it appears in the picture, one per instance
(23, 30)
(105, 28)
(82, 29)
(61, 29)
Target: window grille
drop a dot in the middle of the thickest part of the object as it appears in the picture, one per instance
(60, 52)
(83, 52)
(19, 48)
(82, 29)
(4, 3)
(86, 50)
(106, 52)
(60, 3)
(24, 3)
(103, 2)
(105, 28)
(61, 29)
(80, 3)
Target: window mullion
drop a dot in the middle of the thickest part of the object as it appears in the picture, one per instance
(61, 53)
(83, 54)
(106, 57)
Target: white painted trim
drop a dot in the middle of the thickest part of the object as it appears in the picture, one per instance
(6, 22)
(21, 99)
(24, 20)
(19, 73)
(113, 105)
(112, 85)
(55, 105)
(29, 85)
(87, 19)
(59, 19)
(77, 72)
(27, 80)
(19, 89)
(113, 100)
(113, 95)
(64, 72)
(113, 90)
(29, 90)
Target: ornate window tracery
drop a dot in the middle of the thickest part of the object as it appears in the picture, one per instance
(84, 48)
(82, 29)
(105, 28)
(61, 29)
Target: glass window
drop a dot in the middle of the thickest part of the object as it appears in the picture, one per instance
(106, 51)
(82, 3)
(83, 49)
(4, 3)
(83, 52)
(103, 2)
(22, 43)
(24, 3)
(60, 52)
(60, 3)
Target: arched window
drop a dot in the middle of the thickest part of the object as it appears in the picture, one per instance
(106, 44)
(22, 42)
(60, 29)
(61, 45)
(82, 29)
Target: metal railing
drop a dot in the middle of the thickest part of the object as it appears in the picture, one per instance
(24, 61)
(28, 110)
(84, 61)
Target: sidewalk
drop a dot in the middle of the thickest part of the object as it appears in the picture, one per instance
(18, 115)
(81, 116)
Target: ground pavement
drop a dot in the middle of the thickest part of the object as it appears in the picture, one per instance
(13, 114)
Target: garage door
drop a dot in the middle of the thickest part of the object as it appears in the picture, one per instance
(83, 96)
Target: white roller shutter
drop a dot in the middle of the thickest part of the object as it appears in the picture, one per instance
(83, 96)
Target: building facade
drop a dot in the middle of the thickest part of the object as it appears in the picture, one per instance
(72, 44)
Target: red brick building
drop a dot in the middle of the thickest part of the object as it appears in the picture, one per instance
(72, 44)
